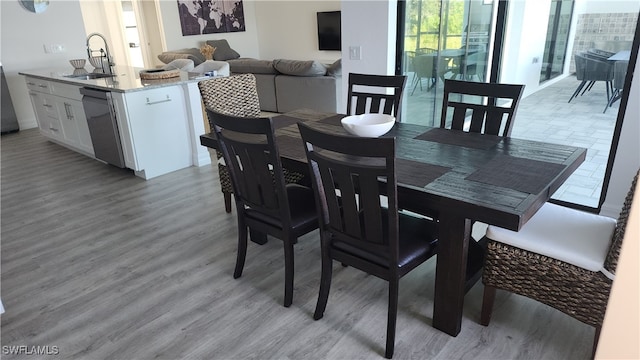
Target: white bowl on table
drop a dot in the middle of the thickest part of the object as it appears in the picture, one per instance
(368, 125)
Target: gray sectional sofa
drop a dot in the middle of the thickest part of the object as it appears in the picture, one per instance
(283, 85)
(286, 85)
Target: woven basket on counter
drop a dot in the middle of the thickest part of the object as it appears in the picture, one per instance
(155, 74)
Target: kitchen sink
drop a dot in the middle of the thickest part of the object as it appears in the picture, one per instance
(89, 76)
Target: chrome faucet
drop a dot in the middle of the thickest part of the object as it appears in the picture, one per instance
(104, 53)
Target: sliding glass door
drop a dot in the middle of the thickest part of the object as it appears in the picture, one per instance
(443, 39)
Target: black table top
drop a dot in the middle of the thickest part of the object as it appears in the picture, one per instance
(495, 180)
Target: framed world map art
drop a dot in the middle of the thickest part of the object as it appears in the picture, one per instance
(210, 16)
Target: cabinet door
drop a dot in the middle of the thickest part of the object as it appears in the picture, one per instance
(158, 122)
(67, 122)
(84, 137)
(38, 103)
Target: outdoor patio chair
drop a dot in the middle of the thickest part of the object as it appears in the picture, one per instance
(619, 75)
(562, 257)
(375, 98)
(430, 67)
(589, 70)
(234, 95)
(264, 202)
(356, 229)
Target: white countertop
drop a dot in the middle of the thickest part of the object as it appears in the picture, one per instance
(127, 79)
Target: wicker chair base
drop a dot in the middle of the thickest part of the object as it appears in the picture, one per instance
(577, 292)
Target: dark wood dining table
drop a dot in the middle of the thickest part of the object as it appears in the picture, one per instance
(458, 177)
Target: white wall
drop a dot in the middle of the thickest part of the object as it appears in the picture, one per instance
(288, 29)
(22, 35)
(525, 38)
(244, 42)
(371, 25)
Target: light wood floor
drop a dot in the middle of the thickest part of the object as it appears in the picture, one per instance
(105, 265)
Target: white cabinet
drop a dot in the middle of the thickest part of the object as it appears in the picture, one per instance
(60, 113)
(154, 130)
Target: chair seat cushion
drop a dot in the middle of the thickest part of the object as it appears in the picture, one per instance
(418, 238)
(575, 237)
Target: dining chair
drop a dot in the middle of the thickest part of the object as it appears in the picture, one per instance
(386, 99)
(492, 107)
(355, 228)
(235, 95)
(562, 257)
(265, 202)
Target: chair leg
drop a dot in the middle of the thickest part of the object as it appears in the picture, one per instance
(575, 93)
(391, 318)
(419, 81)
(227, 201)
(487, 304)
(325, 285)
(288, 272)
(242, 248)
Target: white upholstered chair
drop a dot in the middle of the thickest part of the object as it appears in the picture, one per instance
(179, 64)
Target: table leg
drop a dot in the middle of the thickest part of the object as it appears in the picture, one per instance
(451, 267)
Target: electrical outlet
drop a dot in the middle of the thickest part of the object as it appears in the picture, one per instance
(355, 52)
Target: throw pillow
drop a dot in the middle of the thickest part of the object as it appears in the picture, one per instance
(223, 50)
(300, 68)
(335, 69)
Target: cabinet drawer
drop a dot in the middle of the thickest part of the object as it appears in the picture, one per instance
(38, 85)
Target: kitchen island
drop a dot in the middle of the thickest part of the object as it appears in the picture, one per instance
(158, 121)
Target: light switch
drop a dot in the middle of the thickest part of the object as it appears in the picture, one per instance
(355, 52)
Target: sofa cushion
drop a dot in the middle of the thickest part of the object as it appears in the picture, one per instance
(223, 50)
(335, 69)
(253, 66)
(191, 54)
(299, 67)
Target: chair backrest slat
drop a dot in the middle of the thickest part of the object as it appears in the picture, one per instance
(371, 102)
(358, 168)
(487, 116)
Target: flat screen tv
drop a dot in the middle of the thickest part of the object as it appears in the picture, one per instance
(329, 30)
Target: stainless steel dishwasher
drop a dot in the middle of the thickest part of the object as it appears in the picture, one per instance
(103, 127)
